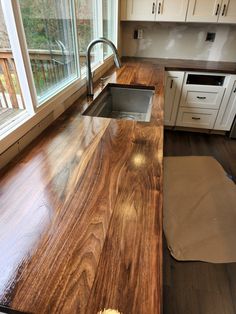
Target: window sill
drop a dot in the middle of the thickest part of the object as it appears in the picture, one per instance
(55, 106)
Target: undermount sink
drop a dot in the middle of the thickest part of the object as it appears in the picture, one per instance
(128, 103)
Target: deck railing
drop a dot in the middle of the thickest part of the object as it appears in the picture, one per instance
(49, 68)
(10, 94)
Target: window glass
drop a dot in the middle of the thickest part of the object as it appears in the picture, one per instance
(109, 24)
(51, 40)
(11, 102)
(87, 29)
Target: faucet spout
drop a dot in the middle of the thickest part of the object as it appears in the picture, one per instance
(88, 60)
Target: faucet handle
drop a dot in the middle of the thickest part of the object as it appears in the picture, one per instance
(103, 80)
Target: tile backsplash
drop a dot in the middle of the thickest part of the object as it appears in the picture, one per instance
(179, 40)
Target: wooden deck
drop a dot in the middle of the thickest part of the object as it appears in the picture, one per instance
(8, 115)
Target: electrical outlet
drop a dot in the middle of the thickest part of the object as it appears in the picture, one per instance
(140, 33)
(211, 37)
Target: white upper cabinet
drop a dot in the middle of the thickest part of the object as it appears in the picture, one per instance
(228, 12)
(204, 10)
(138, 10)
(171, 10)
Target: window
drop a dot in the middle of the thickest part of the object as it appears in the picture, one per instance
(43, 48)
(109, 24)
(49, 30)
(11, 102)
(87, 29)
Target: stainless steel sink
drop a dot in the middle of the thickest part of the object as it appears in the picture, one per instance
(126, 103)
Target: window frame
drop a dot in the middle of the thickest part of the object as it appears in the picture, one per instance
(35, 111)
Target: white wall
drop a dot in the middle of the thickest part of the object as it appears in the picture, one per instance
(181, 41)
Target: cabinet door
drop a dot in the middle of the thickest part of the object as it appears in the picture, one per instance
(173, 86)
(228, 12)
(172, 10)
(227, 110)
(204, 10)
(139, 10)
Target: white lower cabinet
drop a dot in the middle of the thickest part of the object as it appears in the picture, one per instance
(200, 100)
(227, 110)
(196, 118)
(173, 87)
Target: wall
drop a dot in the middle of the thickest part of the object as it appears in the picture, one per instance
(180, 40)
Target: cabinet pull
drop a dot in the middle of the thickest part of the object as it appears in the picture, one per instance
(199, 97)
(171, 83)
(195, 118)
(235, 90)
(159, 8)
(224, 9)
(153, 8)
(217, 9)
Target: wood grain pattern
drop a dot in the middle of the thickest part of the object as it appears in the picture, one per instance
(81, 212)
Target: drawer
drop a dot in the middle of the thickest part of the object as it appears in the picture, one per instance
(202, 97)
(196, 118)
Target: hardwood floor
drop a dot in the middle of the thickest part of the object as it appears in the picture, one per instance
(196, 287)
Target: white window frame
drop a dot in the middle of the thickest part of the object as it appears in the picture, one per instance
(36, 112)
(12, 18)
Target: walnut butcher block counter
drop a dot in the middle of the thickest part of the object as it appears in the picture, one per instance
(81, 208)
(81, 212)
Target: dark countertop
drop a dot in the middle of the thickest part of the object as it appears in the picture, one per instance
(81, 212)
(190, 65)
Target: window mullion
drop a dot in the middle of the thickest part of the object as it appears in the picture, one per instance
(12, 16)
(116, 24)
(76, 37)
(100, 27)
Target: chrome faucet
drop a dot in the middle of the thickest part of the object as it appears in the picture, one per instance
(89, 70)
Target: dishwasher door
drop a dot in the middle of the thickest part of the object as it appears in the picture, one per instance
(233, 129)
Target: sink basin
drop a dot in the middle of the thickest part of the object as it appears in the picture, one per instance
(126, 103)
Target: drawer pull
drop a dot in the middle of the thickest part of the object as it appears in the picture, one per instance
(224, 9)
(153, 8)
(159, 8)
(195, 118)
(199, 97)
(217, 10)
(171, 83)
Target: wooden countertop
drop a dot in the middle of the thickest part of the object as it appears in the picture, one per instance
(81, 212)
(81, 208)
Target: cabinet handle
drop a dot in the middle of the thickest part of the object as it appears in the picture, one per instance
(199, 97)
(217, 9)
(195, 118)
(171, 83)
(224, 9)
(153, 8)
(159, 8)
(235, 90)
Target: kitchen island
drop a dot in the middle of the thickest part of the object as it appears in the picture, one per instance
(81, 211)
